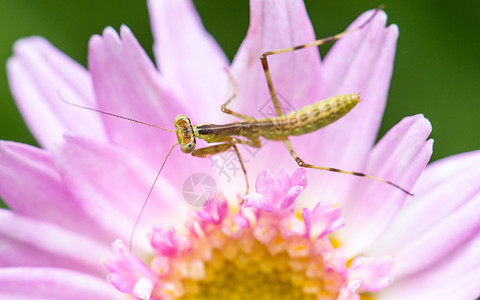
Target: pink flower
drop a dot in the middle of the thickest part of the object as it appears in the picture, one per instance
(80, 193)
(260, 258)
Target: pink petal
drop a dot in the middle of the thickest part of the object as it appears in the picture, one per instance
(280, 184)
(445, 186)
(323, 219)
(361, 62)
(443, 176)
(143, 288)
(276, 25)
(113, 186)
(129, 274)
(400, 156)
(32, 187)
(439, 196)
(28, 242)
(441, 240)
(263, 181)
(164, 241)
(299, 177)
(189, 58)
(455, 277)
(38, 74)
(215, 211)
(258, 201)
(50, 283)
(273, 185)
(335, 259)
(369, 274)
(242, 221)
(291, 196)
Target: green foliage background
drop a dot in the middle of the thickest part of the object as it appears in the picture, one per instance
(437, 68)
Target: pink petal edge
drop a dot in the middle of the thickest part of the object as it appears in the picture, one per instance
(52, 283)
(453, 278)
(176, 28)
(400, 156)
(27, 245)
(40, 76)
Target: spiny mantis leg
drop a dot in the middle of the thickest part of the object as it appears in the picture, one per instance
(266, 70)
(234, 94)
(232, 143)
(303, 164)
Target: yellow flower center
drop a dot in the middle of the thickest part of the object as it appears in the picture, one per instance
(253, 263)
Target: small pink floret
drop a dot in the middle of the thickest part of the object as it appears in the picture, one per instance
(214, 212)
(163, 241)
(276, 191)
(368, 274)
(128, 273)
(323, 219)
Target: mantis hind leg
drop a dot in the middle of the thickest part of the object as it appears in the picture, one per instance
(303, 164)
(266, 69)
(278, 108)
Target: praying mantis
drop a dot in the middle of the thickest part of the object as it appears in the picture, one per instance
(249, 130)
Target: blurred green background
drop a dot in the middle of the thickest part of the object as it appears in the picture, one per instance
(437, 67)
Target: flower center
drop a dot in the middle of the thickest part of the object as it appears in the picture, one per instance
(227, 262)
(255, 272)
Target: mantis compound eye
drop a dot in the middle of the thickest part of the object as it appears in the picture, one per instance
(188, 148)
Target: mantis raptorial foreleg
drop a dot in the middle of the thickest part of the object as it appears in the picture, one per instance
(231, 143)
